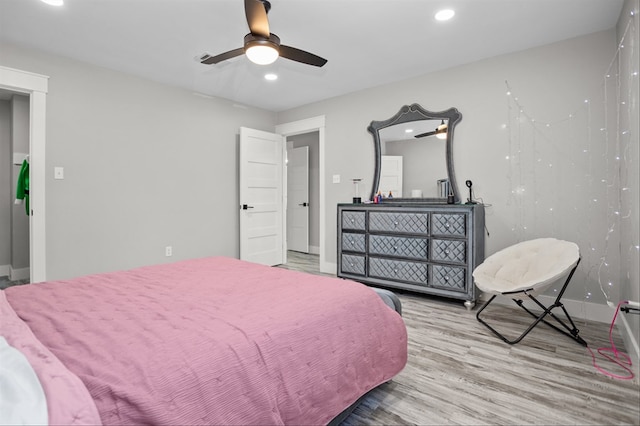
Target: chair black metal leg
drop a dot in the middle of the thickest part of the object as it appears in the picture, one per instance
(571, 332)
(501, 336)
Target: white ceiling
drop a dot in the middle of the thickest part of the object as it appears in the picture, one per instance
(367, 42)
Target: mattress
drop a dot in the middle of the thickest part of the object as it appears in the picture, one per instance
(206, 341)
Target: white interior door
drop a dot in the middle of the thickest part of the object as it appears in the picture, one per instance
(261, 197)
(391, 175)
(298, 199)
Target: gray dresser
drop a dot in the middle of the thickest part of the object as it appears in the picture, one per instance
(424, 248)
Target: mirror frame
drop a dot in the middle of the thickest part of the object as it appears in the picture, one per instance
(415, 112)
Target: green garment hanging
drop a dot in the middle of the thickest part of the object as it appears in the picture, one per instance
(22, 192)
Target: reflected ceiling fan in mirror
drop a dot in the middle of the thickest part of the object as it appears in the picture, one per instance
(440, 132)
(260, 45)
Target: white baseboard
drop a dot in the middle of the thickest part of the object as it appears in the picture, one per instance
(5, 270)
(329, 268)
(314, 250)
(19, 274)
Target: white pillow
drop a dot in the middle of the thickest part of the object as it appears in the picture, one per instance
(22, 399)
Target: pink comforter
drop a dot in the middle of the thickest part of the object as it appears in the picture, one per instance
(217, 341)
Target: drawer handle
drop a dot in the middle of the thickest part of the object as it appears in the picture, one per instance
(395, 223)
(446, 278)
(352, 242)
(446, 252)
(446, 225)
(395, 271)
(350, 263)
(395, 248)
(353, 220)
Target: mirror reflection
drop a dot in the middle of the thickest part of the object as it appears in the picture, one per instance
(414, 161)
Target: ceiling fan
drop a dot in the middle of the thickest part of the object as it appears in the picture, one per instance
(440, 132)
(261, 46)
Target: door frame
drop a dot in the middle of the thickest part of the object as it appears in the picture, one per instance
(36, 86)
(314, 124)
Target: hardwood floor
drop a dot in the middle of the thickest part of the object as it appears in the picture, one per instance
(5, 282)
(460, 373)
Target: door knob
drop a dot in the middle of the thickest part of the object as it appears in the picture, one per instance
(245, 207)
(304, 204)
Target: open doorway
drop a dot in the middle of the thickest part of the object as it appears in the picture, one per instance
(14, 218)
(34, 86)
(303, 198)
(315, 124)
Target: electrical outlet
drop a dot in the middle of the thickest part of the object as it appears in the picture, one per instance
(168, 251)
(58, 172)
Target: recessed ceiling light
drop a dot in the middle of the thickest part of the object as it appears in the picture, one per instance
(445, 14)
(408, 130)
(53, 2)
(270, 77)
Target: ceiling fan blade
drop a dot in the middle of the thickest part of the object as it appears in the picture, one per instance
(301, 56)
(256, 12)
(424, 135)
(435, 132)
(208, 60)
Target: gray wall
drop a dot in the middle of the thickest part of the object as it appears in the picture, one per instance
(551, 81)
(312, 141)
(145, 165)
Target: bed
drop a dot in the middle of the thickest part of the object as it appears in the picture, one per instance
(204, 341)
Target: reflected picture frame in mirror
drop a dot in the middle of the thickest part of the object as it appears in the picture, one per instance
(414, 113)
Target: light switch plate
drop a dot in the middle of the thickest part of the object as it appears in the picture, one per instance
(336, 178)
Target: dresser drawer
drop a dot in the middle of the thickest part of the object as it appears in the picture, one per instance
(399, 270)
(352, 264)
(454, 251)
(449, 277)
(353, 242)
(353, 220)
(448, 224)
(409, 223)
(414, 248)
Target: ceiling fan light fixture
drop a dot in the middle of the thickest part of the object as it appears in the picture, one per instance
(261, 51)
(53, 2)
(261, 46)
(442, 131)
(261, 55)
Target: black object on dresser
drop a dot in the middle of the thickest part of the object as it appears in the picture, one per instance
(424, 248)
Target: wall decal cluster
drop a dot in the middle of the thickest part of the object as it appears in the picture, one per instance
(578, 166)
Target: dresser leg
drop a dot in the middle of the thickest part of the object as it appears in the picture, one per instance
(469, 304)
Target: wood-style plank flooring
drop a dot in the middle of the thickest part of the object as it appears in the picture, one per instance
(5, 282)
(459, 373)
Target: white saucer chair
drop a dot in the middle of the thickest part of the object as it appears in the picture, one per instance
(525, 270)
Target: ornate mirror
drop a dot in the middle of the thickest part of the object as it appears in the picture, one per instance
(414, 155)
